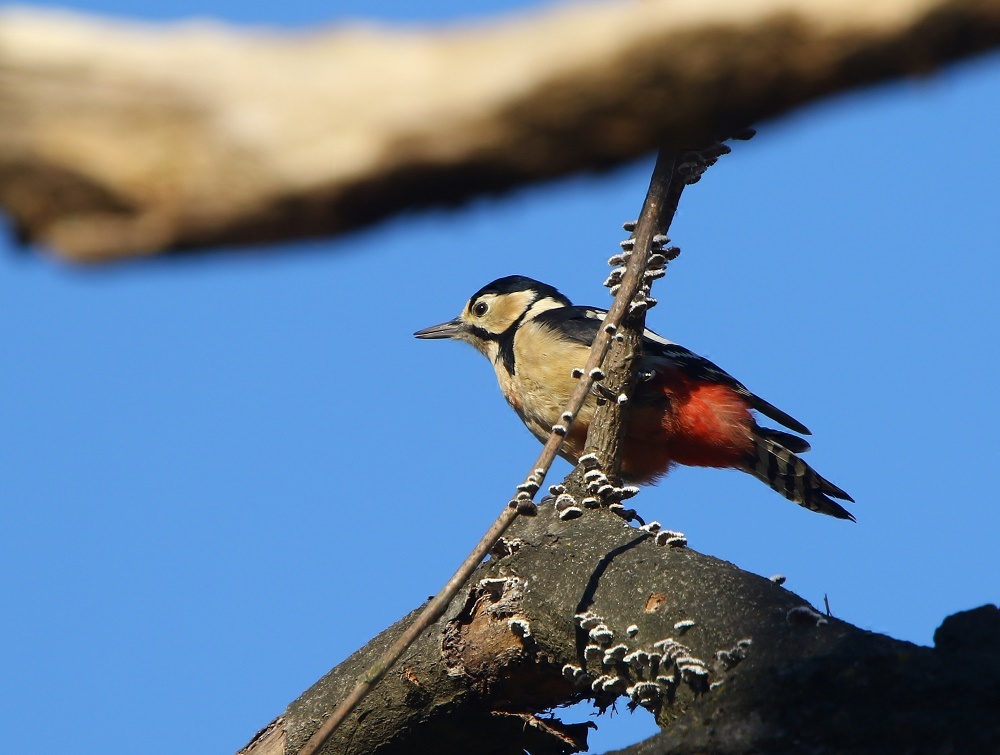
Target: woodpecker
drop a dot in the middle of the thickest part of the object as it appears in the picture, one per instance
(685, 409)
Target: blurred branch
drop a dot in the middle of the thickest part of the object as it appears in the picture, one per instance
(122, 139)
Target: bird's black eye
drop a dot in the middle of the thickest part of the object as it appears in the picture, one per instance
(480, 308)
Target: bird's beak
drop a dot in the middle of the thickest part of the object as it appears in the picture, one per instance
(450, 329)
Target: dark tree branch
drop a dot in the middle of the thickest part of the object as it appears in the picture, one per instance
(864, 697)
(484, 678)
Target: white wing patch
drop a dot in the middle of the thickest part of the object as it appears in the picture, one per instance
(657, 338)
(600, 314)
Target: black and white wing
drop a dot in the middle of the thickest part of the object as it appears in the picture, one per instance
(581, 324)
(702, 369)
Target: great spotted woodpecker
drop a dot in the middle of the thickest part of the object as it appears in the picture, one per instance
(685, 410)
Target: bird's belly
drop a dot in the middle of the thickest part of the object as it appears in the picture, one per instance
(542, 406)
(713, 427)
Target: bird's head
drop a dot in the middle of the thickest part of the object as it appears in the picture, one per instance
(495, 312)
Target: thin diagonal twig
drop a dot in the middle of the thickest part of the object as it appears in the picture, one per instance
(658, 209)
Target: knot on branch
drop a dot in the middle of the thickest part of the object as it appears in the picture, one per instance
(491, 643)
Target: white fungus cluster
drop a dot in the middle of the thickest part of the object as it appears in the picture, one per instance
(656, 264)
(671, 539)
(649, 676)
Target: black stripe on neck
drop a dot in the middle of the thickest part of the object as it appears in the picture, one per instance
(504, 341)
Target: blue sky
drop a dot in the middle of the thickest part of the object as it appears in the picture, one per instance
(220, 476)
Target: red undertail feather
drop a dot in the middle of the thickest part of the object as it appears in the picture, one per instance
(711, 425)
(705, 424)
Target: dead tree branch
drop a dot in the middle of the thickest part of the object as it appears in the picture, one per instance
(122, 139)
(676, 624)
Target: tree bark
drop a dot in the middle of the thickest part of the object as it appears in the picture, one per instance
(728, 661)
(121, 139)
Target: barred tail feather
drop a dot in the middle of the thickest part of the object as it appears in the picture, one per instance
(786, 473)
(793, 443)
